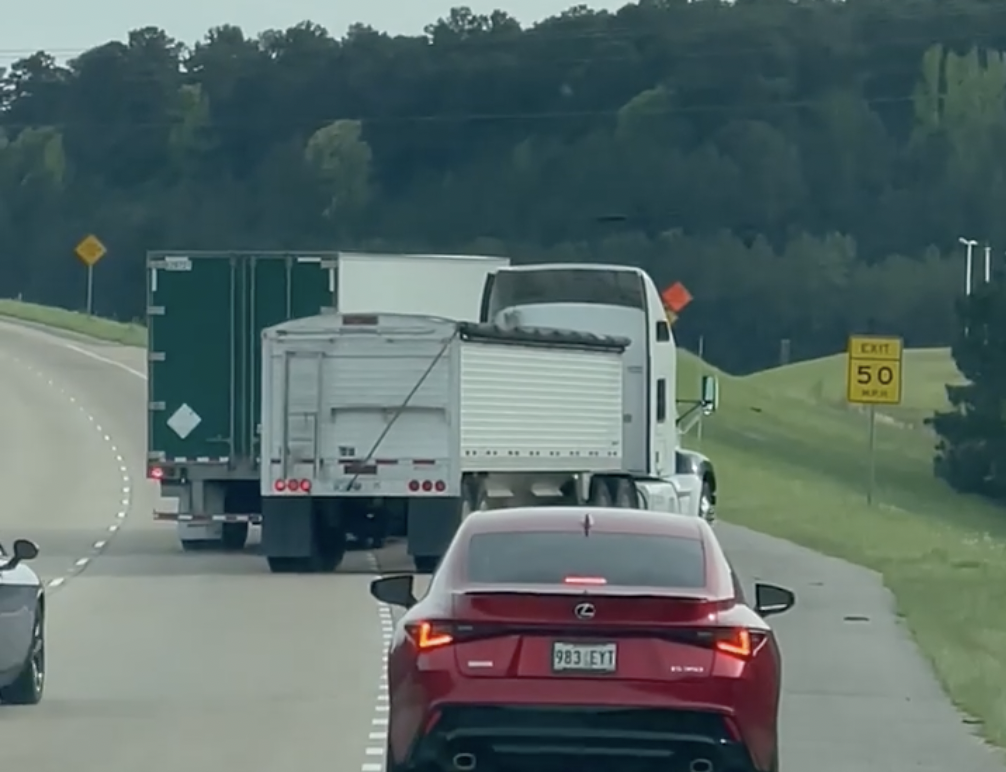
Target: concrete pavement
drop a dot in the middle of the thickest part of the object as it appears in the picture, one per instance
(162, 660)
(175, 660)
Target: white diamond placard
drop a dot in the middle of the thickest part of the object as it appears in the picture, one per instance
(184, 421)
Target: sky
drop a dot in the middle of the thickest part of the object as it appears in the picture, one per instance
(83, 24)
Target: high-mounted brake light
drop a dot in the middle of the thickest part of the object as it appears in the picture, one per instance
(593, 581)
(735, 642)
(429, 635)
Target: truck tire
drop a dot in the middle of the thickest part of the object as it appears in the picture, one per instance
(626, 495)
(707, 507)
(330, 545)
(600, 492)
(473, 496)
(234, 536)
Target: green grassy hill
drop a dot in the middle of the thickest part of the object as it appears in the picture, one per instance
(791, 458)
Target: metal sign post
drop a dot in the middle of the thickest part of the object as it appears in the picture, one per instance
(873, 377)
(89, 251)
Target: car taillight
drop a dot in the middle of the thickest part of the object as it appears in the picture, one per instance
(156, 473)
(430, 635)
(733, 641)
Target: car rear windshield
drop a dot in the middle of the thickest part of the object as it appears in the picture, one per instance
(620, 559)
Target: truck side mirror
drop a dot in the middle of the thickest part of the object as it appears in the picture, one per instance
(710, 394)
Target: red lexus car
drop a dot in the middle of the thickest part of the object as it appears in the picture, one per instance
(575, 639)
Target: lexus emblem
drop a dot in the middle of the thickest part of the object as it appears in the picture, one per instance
(584, 610)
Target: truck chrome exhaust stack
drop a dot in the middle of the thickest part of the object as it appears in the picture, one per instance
(464, 762)
(701, 765)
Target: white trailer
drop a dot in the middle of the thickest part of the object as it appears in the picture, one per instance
(439, 285)
(430, 415)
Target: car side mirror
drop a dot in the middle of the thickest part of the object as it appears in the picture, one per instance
(771, 599)
(22, 549)
(394, 590)
(710, 394)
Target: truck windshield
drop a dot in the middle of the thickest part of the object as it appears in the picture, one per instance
(565, 285)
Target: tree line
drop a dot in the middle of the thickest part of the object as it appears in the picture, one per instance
(805, 168)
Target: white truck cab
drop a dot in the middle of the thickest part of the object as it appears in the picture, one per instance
(621, 301)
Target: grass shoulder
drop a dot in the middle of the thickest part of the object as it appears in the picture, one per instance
(793, 463)
(75, 322)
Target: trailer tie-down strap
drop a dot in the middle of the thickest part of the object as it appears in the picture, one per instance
(401, 408)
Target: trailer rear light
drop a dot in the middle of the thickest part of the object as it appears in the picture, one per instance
(156, 473)
(305, 485)
(279, 485)
(427, 486)
(293, 485)
(413, 485)
(440, 485)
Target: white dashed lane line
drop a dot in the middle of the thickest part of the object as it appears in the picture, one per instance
(98, 546)
(377, 741)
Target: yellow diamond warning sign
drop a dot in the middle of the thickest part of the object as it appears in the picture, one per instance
(90, 250)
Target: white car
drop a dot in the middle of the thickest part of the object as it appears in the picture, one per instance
(22, 626)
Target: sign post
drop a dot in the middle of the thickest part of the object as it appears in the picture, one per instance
(89, 251)
(873, 377)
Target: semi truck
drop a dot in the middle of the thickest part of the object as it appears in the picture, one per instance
(622, 301)
(568, 363)
(429, 419)
(205, 315)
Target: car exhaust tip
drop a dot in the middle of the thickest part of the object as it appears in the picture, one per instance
(464, 762)
(701, 765)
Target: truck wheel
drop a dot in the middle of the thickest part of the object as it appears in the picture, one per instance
(234, 536)
(626, 495)
(707, 509)
(600, 492)
(473, 496)
(331, 543)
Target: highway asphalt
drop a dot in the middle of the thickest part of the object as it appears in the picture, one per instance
(163, 661)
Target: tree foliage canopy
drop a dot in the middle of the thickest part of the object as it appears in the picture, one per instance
(804, 167)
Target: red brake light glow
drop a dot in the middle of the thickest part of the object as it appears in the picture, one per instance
(156, 473)
(591, 581)
(735, 642)
(429, 635)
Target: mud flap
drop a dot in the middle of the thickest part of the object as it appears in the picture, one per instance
(431, 524)
(287, 528)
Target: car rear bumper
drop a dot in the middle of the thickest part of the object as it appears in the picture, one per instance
(582, 738)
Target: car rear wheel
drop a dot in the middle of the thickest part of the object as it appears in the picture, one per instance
(27, 688)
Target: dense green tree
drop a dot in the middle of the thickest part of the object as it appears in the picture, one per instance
(804, 167)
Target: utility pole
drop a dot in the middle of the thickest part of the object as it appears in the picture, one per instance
(969, 263)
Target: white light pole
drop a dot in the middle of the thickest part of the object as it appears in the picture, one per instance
(970, 244)
(988, 263)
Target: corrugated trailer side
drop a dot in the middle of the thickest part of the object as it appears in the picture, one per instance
(206, 311)
(526, 407)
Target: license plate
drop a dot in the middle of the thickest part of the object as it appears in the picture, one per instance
(584, 657)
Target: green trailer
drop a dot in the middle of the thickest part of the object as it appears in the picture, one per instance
(205, 316)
